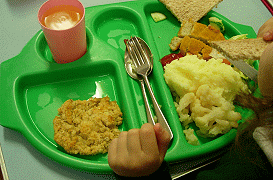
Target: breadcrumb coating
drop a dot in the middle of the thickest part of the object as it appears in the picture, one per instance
(87, 127)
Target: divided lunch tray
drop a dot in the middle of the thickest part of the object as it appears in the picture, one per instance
(33, 86)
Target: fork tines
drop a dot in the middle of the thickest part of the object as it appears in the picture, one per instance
(137, 52)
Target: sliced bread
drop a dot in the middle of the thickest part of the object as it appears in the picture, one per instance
(190, 9)
(175, 43)
(241, 48)
(186, 28)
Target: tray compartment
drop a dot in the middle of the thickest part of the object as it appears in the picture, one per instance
(172, 26)
(39, 95)
(44, 52)
(114, 24)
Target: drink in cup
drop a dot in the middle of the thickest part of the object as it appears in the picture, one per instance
(63, 24)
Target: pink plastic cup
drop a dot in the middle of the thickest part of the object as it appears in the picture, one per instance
(65, 45)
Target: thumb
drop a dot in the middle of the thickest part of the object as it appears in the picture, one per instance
(163, 140)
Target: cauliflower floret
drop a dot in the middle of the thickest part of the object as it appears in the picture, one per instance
(233, 116)
(220, 127)
(206, 122)
(185, 119)
(197, 110)
(185, 101)
(190, 137)
(221, 110)
(183, 108)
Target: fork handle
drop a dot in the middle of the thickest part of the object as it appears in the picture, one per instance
(160, 116)
(146, 103)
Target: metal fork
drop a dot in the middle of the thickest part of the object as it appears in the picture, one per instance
(143, 65)
(134, 75)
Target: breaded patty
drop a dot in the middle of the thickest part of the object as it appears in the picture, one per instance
(87, 127)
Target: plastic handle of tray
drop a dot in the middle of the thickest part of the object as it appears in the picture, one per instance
(9, 109)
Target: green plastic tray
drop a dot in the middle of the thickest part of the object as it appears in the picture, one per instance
(33, 86)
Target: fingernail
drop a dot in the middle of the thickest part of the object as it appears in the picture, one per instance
(267, 36)
(159, 126)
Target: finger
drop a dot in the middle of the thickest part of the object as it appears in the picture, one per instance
(148, 140)
(112, 151)
(265, 27)
(133, 141)
(122, 144)
(163, 139)
(265, 73)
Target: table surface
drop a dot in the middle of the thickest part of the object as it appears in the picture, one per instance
(19, 25)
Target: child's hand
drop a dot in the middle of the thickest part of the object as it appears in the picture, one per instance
(138, 152)
(266, 30)
(265, 73)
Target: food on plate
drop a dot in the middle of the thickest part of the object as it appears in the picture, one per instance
(190, 9)
(186, 28)
(204, 92)
(175, 43)
(203, 82)
(192, 38)
(169, 58)
(157, 16)
(200, 31)
(87, 127)
(210, 34)
(184, 44)
(241, 48)
(190, 137)
(217, 23)
(215, 45)
(193, 46)
(197, 28)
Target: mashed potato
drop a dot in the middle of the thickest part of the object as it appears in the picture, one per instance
(205, 91)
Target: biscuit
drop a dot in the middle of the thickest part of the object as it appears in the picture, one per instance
(87, 127)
